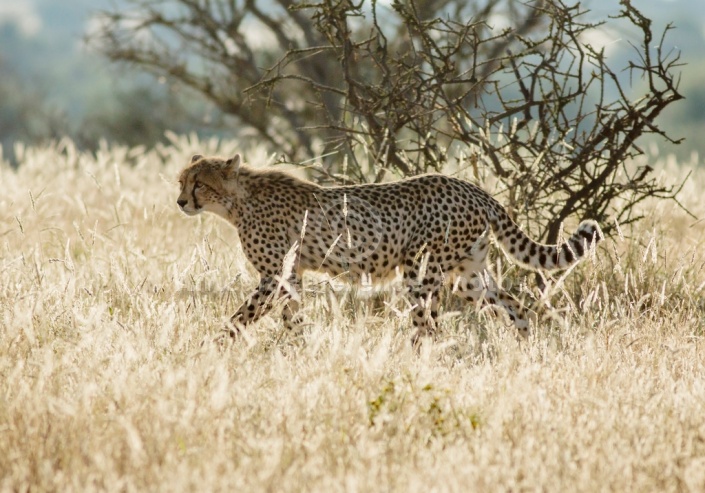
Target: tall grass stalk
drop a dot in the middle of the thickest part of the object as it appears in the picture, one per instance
(107, 293)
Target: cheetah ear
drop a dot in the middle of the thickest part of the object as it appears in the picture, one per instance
(233, 164)
(195, 158)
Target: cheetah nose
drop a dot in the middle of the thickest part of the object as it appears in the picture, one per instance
(182, 202)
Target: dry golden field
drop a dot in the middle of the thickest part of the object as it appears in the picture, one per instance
(107, 293)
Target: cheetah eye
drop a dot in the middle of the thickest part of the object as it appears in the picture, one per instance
(197, 185)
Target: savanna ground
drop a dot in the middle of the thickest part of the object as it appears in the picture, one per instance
(107, 293)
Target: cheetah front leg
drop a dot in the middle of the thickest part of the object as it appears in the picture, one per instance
(260, 302)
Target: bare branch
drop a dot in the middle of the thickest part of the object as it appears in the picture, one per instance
(399, 84)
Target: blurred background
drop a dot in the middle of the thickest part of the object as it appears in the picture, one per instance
(52, 84)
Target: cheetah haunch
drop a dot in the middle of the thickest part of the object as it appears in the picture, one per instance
(433, 228)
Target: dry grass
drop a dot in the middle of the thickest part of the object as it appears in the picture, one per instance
(107, 291)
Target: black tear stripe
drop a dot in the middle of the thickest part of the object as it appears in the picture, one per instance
(193, 195)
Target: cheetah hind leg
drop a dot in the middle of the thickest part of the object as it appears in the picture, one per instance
(424, 315)
(292, 316)
(484, 288)
(424, 291)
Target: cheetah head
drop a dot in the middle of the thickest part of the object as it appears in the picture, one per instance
(204, 185)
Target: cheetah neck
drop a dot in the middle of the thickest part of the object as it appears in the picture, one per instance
(240, 191)
(249, 190)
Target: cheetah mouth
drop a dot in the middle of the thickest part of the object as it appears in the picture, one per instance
(190, 211)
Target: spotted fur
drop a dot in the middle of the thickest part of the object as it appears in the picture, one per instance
(433, 228)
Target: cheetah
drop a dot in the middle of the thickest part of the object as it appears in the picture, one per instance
(431, 229)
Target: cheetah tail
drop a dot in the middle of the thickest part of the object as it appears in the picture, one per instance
(551, 257)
